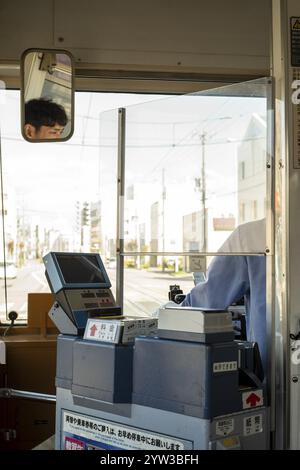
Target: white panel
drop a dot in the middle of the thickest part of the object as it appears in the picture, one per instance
(193, 33)
(293, 221)
(287, 228)
(204, 34)
(24, 24)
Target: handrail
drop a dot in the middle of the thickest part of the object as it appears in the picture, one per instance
(10, 393)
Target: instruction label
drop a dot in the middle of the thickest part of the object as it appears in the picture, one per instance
(81, 432)
(296, 119)
(100, 330)
(224, 427)
(295, 41)
(224, 366)
(253, 425)
(295, 63)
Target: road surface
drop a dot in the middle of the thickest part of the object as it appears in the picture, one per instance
(144, 291)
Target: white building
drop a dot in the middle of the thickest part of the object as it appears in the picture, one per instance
(252, 171)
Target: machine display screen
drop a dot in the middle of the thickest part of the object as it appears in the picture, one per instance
(80, 268)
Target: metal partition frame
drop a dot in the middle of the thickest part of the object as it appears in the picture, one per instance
(286, 71)
(270, 252)
(269, 249)
(120, 206)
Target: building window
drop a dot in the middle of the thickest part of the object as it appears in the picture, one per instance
(242, 212)
(254, 210)
(242, 170)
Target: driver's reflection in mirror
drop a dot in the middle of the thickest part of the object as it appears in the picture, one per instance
(44, 119)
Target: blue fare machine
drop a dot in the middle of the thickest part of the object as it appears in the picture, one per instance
(82, 290)
(188, 385)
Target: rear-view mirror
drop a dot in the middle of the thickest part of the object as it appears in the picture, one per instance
(47, 95)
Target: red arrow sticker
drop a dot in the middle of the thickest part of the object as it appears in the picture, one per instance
(253, 399)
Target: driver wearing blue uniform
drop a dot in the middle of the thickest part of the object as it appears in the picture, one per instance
(231, 277)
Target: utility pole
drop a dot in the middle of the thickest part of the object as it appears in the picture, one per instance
(203, 192)
(163, 217)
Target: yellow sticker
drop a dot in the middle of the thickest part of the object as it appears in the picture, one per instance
(296, 24)
(230, 441)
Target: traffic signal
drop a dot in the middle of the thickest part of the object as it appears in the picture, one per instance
(85, 214)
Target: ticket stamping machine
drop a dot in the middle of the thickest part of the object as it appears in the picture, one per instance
(172, 390)
(82, 290)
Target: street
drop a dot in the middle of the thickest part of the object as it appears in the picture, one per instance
(144, 291)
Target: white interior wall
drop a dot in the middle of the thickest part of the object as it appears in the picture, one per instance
(215, 36)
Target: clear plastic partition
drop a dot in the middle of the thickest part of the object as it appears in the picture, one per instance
(57, 196)
(5, 246)
(195, 169)
(147, 283)
(108, 161)
(51, 194)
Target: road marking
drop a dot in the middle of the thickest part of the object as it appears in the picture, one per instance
(23, 308)
(139, 310)
(38, 279)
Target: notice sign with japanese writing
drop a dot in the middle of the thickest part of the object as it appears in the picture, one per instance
(253, 425)
(80, 432)
(102, 330)
(295, 62)
(295, 41)
(296, 117)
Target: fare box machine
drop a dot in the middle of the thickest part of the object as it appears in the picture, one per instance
(183, 383)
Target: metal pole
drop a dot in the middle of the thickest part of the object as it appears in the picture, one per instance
(203, 191)
(163, 217)
(10, 392)
(270, 258)
(189, 253)
(3, 229)
(287, 232)
(120, 207)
